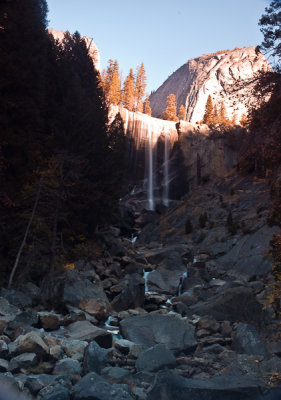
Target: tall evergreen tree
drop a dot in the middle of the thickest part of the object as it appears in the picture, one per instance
(170, 112)
(111, 83)
(23, 49)
(222, 114)
(270, 24)
(209, 110)
(129, 91)
(146, 106)
(182, 113)
(140, 86)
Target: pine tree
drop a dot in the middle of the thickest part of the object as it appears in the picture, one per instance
(215, 115)
(244, 121)
(23, 49)
(271, 29)
(146, 106)
(170, 112)
(209, 110)
(111, 83)
(181, 114)
(222, 114)
(129, 91)
(140, 86)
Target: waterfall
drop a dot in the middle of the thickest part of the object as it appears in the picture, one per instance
(165, 199)
(182, 278)
(150, 189)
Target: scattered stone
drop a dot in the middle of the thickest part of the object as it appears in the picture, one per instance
(29, 343)
(95, 358)
(25, 360)
(54, 392)
(132, 295)
(36, 382)
(85, 331)
(49, 320)
(4, 350)
(7, 309)
(69, 366)
(209, 324)
(75, 349)
(4, 366)
(115, 373)
(17, 298)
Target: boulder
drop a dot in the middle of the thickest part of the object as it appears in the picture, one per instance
(50, 320)
(85, 331)
(247, 340)
(7, 309)
(97, 308)
(29, 343)
(163, 280)
(247, 257)
(154, 328)
(69, 366)
(131, 296)
(95, 358)
(21, 323)
(93, 386)
(4, 350)
(35, 382)
(25, 360)
(75, 348)
(4, 365)
(128, 347)
(76, 290)
(155, 358)
(17, 298)
(235, 304)
(171, 255)
(115, 373)
(54, 392)
(170, 386)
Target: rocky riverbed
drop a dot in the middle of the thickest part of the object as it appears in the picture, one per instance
(178, 312)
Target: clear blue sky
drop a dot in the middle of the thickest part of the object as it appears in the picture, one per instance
(163, 34)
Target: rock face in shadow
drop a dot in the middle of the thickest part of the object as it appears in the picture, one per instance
(211, 74)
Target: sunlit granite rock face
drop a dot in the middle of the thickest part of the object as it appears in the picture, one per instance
(94, 51)
(211, 74)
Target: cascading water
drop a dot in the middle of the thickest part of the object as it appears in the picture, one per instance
(150, 189)
(182, 278)
(165, 198)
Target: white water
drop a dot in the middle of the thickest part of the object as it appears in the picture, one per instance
(150, 191)
(182, 278)
(166, 172)
(144, 132)
(145, 273)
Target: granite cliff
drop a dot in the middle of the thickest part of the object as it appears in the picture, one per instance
(211, 74)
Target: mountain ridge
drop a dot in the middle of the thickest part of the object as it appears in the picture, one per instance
(212, 74)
